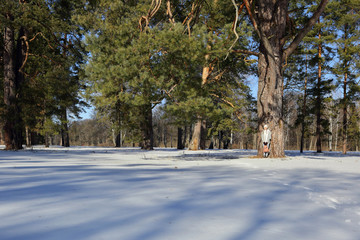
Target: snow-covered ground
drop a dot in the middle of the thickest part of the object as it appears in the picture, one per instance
(129, 194)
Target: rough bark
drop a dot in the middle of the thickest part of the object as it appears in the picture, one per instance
(199, 134)
(196, 136)
(269, 21)
(12, 81)
(9, 86)
(272, 17)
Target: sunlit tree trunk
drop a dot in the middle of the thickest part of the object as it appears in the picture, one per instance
(199, 133)
(269, 19)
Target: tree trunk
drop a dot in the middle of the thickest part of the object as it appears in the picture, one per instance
(164, 137)
(65, 141)
(185, 136)
(12, 124)
(9, 87)
(344, 150)
(47, 143)
(270, 24)
(180, 138)
(199, 134)
(118, 139)
(336, 133)
(345, 96)
(220, 137)
(270, 92)
(318, 101)
(28, 136)
(304, 111)
(196, 137)
(331, 132)
(147, 129)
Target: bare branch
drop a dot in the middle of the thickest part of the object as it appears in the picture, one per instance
(154, 7)
(26, 54)
(168, 12)
(246, 52)
(237, 113)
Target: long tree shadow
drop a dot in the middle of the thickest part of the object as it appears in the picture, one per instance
(174, 201)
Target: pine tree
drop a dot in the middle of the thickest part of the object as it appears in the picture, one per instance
(46, 45)
(346, 20)
(273, 32)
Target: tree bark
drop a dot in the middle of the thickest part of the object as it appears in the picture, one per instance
(199, 134)
(304, 111)
(318, 100)
(269, 21)
(180, 138)
(12, 81)
(147, 128)
(28, 136)
(196, 137)
(65, 140)
(272, 19)
(9, 86)
(118, 139)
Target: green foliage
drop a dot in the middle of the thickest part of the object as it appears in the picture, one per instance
(53, 57)
(129, 68)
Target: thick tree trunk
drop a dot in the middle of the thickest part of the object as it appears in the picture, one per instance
(272, 23)
(147, 129)
(12, 82)
(9, 87)
(199, 134)
(196, 137)
(270, 103)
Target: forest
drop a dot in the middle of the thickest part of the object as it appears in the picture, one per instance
(192, 74)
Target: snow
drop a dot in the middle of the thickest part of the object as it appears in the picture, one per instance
(129, 194)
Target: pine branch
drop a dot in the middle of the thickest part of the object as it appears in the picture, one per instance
(288, 51)
(246, 52)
